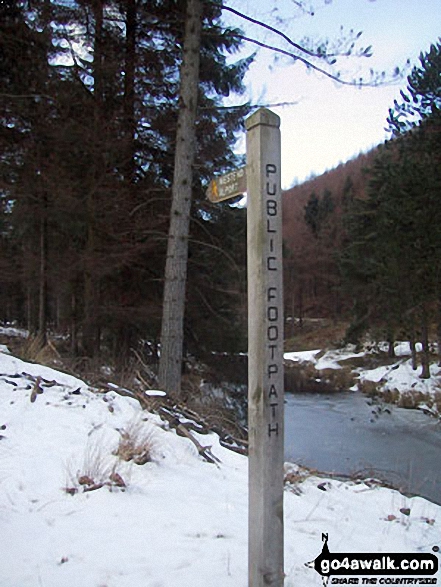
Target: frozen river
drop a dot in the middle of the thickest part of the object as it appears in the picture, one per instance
(340, 434)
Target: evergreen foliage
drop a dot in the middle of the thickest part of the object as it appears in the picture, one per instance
(318, 210)
(391, 263)
(87, 127)
(422, 100)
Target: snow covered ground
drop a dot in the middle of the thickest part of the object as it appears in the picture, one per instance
(398, 377)
(73, 514)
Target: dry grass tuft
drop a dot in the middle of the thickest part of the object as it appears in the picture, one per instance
(340, 379)
(33, 350)
(304, 377)
(370, 388)
(409, 400)
(96, 464)
(391, 396)
(437, 402)
(294, 475)
(137, 443)
(97, 471)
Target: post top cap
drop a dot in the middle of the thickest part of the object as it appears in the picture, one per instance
(262, 116)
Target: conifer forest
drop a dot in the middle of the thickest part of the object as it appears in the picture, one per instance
(89, 104)
(89, 108)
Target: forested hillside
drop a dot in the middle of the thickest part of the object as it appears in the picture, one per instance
(88, 115)
(88, 126)
(364, 241)
(313, 231)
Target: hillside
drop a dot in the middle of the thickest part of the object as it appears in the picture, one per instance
(311, 276)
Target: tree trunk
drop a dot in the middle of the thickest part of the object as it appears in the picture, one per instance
(31, 321)
(413, 353)
(425, 358)
(91, 335)
(300, 305)
(390, 347)
(74, 317)
(129, 91)
(43, 213)
(438, 331)
(172, 331)
(42, 297)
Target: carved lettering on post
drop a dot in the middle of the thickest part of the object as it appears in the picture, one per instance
(265, 351)
(261, 180)
(273, 264)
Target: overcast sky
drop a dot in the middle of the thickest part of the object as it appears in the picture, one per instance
(332, 123)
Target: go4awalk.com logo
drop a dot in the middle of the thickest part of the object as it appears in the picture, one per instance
(375, 569)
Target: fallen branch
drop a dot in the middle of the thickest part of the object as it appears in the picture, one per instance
(204, 451)
(236, 447)
(174, 415)
(41, 380)
(37, 389)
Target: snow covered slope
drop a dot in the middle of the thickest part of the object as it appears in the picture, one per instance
(73, 514)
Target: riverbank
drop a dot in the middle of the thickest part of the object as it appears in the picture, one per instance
(370, 370)
(97, 491)
(346, 434)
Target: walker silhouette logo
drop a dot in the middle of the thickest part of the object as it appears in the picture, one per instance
(355, 567)
(227, 186)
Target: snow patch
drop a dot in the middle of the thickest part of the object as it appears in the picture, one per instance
(178, 520)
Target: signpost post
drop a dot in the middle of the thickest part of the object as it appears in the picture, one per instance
(261, 180)
(265, 351)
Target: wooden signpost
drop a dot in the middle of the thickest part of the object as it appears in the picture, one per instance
(265, 347)
(265, 351)
(228, 186)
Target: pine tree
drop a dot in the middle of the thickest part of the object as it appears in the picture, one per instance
(172, 332)
(391, 260)
(90, 118)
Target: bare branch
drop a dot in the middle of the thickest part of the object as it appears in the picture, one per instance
(219, 250)
(270, 28)
(251, 106)
(319, 54)
(322, 54)
(214, 312)
(26, 96)
(337, 78)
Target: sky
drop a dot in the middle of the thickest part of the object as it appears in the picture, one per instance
(330, 123)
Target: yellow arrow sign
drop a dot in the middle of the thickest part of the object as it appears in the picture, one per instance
(228, 186)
